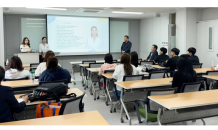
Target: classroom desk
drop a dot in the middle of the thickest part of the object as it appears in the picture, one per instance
(19, 83)
(202, 70)
(159, 67)
(76, 63)
(214, 77)
(131, 96)
(73, 90)
(26, 65)
(84, 118)
(186, 106)
(139, 58)
(28, 68)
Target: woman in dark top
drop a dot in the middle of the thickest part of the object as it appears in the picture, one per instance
(185, 73)
(54, 72)
(8, 103)
(134, 59)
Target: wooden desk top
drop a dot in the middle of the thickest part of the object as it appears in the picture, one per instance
(73, 90)
(159, 67)
(19, 83)
(26, 65)
(93, 69)
(139, 58)
(108, 75)
(186, 100)
(202, 70)
(84, 118)
(145, 83)
(214, 77)
(80, 62)
(28, 68)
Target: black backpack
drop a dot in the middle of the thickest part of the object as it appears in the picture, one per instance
(50, 90)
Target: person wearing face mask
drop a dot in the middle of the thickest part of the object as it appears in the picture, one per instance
(25, 46)
(94, 43)
(43, 48)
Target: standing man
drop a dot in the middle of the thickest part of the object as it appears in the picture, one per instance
(153, 54)
(126, 46)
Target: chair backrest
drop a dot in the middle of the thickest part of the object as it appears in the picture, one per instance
(197, 65)
(208, 81)
(34, 64)
(132, 77)
(109, 71)
(58, 81)
(114, 60)
(16, 79)
(72, 105)
(95, 65)
(156, 75)
(153, 106)
(146, 62)
(190, 87)
(88, 61)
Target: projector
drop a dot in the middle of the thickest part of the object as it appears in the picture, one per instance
(6, 9)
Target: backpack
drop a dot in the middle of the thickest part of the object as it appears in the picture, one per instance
(50, 90)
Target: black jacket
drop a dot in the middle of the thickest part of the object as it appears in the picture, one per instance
(194, 59)
(172, 63)
(162, 58)
(153, 57)
(126, 46)
(9, 104)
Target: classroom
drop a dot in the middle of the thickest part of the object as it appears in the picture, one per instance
(108, 66)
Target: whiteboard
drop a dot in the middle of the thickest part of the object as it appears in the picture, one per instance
(118, 29)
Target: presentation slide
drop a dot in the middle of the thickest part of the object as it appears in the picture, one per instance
(78, 35)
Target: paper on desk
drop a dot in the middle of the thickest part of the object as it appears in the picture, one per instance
(20, 100)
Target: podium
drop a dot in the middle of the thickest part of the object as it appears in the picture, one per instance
(28, 58)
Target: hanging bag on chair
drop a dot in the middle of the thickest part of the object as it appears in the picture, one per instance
(48, 109)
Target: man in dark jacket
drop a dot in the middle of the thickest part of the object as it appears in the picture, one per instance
(8, 103)
(194, 59)
(126, 46)
(54, 72)
(153, 54)
(162, 57)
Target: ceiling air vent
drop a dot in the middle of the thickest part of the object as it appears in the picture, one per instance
(90, 10)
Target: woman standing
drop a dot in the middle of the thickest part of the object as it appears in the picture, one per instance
(94, 42)
(43, 48)
(25, 46)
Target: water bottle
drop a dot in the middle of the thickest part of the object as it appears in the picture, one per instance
(7, 62)
(32, 76)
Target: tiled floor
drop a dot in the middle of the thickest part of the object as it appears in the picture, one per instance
(114, 118)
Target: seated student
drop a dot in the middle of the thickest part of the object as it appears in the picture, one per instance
(15, 70)
(9, 103)
(153, 54)
(185, 73)
(194, 59)
(108, 65)
(134, 59)
(162, 57)
(54, 72)
(42, 66)
(172, 62)
(125, 68)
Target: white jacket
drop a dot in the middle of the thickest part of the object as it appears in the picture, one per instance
(119, 73)
(41, 67)
(24, 48)
(15, 74)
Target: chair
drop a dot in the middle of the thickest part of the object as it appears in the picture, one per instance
(117, 62)
(94, 77)
(191, 87)
(197, 65)
(114, 60)
(209, 82)
(29, 112)
(150, 108)
(139, 60)
(156, 75)
(16, 79)
(147, 62)
(35, 65)
(72, 105)
(83, 72)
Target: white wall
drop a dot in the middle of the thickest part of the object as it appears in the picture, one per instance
(209, 14)
(204, 55)
(153, 31)
(2, 54)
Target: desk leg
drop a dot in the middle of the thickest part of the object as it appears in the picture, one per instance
(123, 107)
(158, 116)
(73, 71)
(91, 89)
(108, 95)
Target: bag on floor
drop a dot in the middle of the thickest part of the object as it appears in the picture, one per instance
(47, 109)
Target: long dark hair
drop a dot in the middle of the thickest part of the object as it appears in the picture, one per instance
(23, 43)
(108, 58)
(134, 58)
(185, 69)
(48, 54)
(52, 63)
(126, 61)
(15, 63)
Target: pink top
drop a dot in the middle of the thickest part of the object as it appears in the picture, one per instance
(106, 66)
